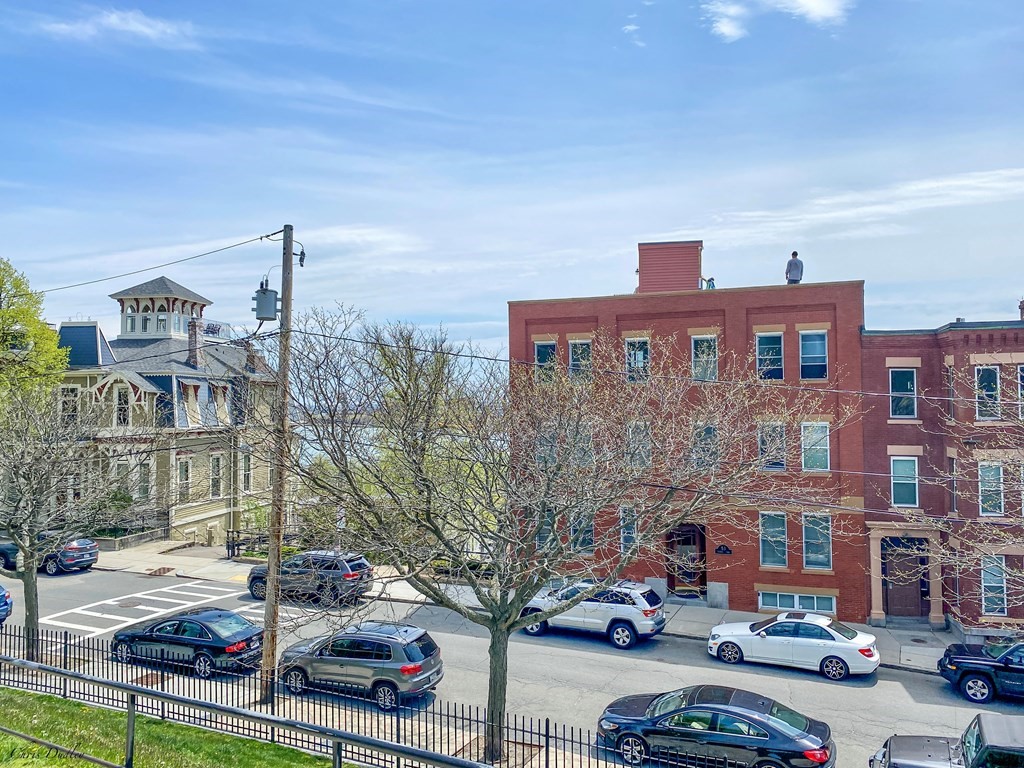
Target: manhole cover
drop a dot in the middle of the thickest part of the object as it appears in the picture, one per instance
(160, 571)
(918, 640)
(129, 604)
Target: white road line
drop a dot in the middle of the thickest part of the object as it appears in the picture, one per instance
(207, 586)
(99, 615)
(149, 595)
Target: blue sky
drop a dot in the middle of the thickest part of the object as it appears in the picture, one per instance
(440, 158)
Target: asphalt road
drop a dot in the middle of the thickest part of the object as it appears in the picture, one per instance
(567, 677)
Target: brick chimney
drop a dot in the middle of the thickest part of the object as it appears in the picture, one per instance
(196, 359)
(670, 266)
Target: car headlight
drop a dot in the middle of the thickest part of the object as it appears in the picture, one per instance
(608, 725)
(716, 637)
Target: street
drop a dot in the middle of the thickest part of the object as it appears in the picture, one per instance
(566, 677)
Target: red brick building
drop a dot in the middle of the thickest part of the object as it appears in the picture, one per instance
(933, 402)
(815, 330)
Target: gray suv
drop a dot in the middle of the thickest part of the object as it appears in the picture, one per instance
(625, 612)
(330, 577)
(389, 660)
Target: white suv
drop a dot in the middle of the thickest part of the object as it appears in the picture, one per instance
(625, 612)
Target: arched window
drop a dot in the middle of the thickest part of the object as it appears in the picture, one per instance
(161, 319)
(129, 320)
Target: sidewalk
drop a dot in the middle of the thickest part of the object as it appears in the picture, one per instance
(916, 648)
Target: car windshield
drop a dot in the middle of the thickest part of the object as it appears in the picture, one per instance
(846, 631)
(423, 647)
(787, 720)
(971, 742)
(757, 626)
(228, 624)
(668, 702)
(995, 650)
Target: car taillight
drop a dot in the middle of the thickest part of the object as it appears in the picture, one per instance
(241, 645)
(869, 652)
(411, 669)
(816, 755)
(651, 612)
(72, 547)
(351, 575)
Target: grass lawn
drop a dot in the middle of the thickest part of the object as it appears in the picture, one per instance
(101, 733)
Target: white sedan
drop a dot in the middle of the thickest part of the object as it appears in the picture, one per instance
(798, 639)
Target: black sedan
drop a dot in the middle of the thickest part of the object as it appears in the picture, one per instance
(205, 639)
(713, 725)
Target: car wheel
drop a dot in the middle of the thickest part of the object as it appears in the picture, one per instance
(977, 688)
(730, 653)
(123, 652)
(386, 696)
(633, 749)
(535, 629)
(51, 567)
(622, 636)
(7, 563)
(834, 668)
(258, 589)
(296, 681)
(328, 595)
(202, 665)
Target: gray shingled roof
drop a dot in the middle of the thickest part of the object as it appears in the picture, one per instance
(160, 286)
(155, 357)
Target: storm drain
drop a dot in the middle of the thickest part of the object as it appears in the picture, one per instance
(160, 571)
(129, 604)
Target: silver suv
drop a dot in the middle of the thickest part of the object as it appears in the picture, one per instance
(389, 660)
(624, 612)
(330, 577)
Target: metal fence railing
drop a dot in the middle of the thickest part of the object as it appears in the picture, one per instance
(84, 669)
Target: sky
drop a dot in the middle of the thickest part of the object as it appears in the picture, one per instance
(438, 159)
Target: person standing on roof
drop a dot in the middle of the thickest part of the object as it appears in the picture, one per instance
(794, 270)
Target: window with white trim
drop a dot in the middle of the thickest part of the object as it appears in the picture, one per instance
(986, 391)
(771, 445)
(638, 444)
(704, 358)
(545, 355)
(816, 603)
(69, 404)
(904, 481)
(774, 549)
(580, 359)
(215, 477)
(814, 355)
(122, 407)
(769, 355)
(814, 447)
(638, 359)
(903, 393)
(121, 472)
(246, 472)
(145, 468)
(990, 489)
(581, 533)
(993, 585)
(184, 481)
(704, 448)
(817, 541)
(627, 528)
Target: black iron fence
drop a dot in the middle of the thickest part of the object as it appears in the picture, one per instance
(257, 540)
(446, 728)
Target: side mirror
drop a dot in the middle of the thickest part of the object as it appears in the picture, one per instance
(762, 634)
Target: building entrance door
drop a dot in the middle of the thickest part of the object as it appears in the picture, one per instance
(904, 573)
(687, 573)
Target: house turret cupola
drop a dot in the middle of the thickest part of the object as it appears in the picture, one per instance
(158, 309)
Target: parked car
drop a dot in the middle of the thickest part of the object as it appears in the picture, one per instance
(78, 553)
(989, 741)
(625, 612)
(982, 671)
(714, 725)
(389, 660)
(6, 604)
(330, 577)
(205, 639)
(797, 639)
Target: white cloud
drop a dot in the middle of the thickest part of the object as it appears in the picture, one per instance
(867, 213)
(630, 28)
(729, 19)
(632, 31)
(126, 25)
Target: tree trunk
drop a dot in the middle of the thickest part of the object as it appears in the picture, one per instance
(30, 579)
(497, 687)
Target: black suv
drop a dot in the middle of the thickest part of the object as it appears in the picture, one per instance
(990, 741)
(330, 577)
(982, 671)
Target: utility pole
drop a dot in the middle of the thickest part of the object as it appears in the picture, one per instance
(280, 462)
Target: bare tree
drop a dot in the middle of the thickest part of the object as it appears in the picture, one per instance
(448, 463)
